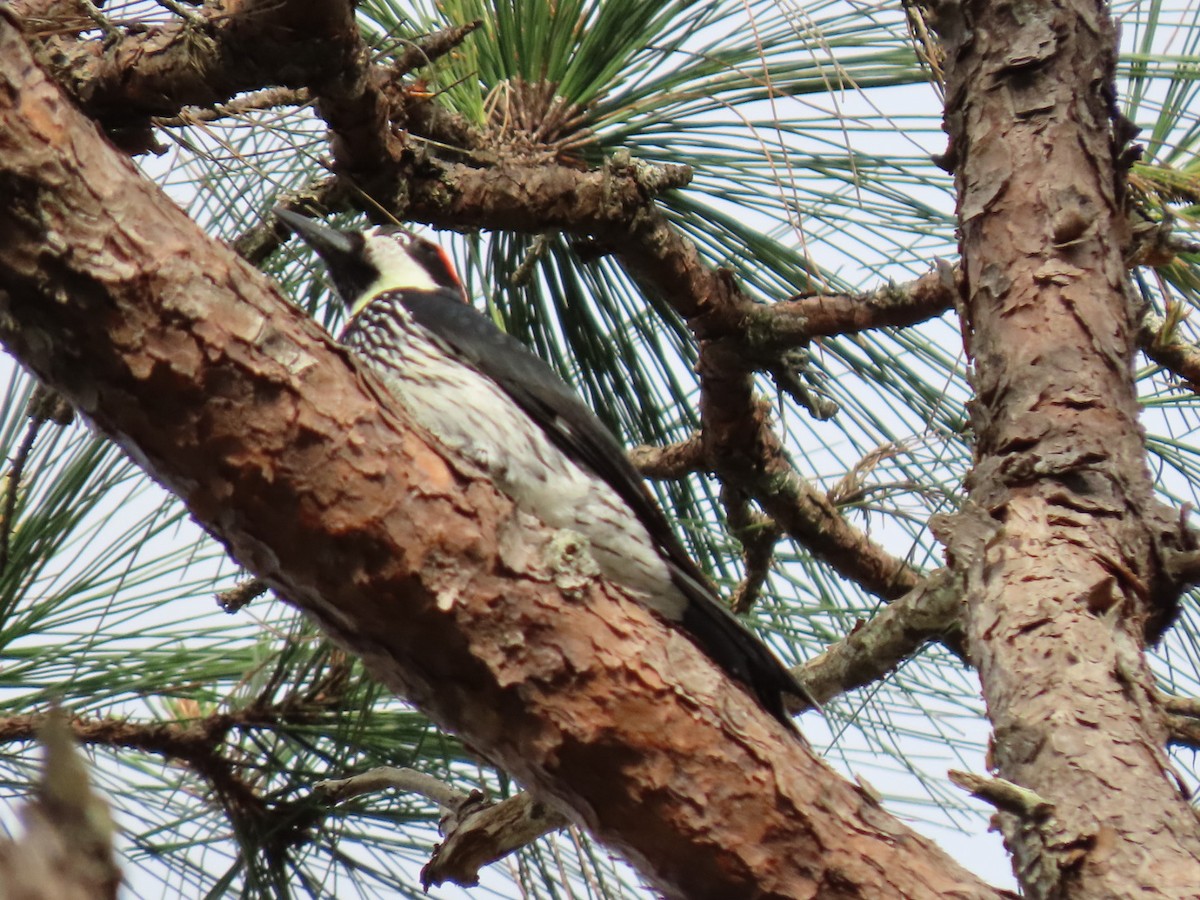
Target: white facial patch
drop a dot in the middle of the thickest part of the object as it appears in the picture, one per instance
(388, 253)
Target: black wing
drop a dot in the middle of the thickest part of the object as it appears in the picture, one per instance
(575, 429)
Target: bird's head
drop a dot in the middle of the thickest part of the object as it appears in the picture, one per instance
(363, 265)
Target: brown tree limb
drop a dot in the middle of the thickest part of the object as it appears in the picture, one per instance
(294, 458)
(160, 71)
(1161, 344)
(197, 745)
(259, 241)
(1180, 706)
(477, 832)
(672, 461)
(769, 328)
(747, 454)
(930, 612)
(246, 45)
(758, 535)
(268, 98)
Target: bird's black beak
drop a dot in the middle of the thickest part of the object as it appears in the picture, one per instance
(341, 252)
(329, 242)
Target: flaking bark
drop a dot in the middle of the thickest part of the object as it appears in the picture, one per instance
(1059, 543)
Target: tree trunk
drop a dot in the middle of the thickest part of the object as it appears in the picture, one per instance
(1060, 539)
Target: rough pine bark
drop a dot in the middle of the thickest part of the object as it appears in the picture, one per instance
(1060, 539)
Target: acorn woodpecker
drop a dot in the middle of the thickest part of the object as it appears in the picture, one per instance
(484, 395)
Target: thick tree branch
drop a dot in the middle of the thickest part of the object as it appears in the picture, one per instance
(302, 466)
(245, 45)
(768, 329)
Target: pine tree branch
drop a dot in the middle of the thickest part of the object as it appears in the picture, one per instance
(758, 535)
(673, 461)
(197, 745)
(477, 832)
(241, 47)
(745, 452)
(930, 612)
(270, 98)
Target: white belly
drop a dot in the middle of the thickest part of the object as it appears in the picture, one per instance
(471, 415)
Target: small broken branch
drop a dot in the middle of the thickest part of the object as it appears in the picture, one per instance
(1004, 795)
(241, 595)
(477, 832)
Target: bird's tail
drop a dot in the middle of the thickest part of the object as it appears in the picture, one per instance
(737, 650)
